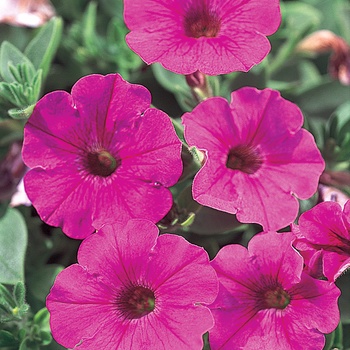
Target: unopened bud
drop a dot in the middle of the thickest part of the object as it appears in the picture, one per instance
(198, 83)
(196, 79)
(327, 41)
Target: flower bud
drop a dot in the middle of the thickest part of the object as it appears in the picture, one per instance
(339, 61)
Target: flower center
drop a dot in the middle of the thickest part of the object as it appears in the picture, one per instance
(136, 302)
(276, 298)
(102, 163)
(200, 22)
(244, 158)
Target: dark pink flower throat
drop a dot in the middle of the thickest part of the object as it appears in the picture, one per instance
(136, 302)
(201, 22)
(244, 158)
(102, 163)
(276, 298)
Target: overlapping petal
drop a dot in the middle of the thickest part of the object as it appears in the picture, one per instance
(324, 237)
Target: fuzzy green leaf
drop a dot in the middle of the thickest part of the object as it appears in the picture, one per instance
(42, 49)
(10, 55)
(13, 244)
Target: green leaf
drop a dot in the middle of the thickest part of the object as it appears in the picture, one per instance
(13, 244)
(10, 55)
(329, 341)
(28, 344)
(6, 300)
(343, 283)
(36, 84)
(322, 100)
(176, 84)
(19, 293)
(7, 339)
(299, 16)
(23, 73)
(90, 38)
(42, 49)
(45, 338)
(42, 318)
(9, 92)
(338, 337)
(21, 113)
(41, 280)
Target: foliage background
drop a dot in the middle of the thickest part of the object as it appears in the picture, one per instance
(88, 37)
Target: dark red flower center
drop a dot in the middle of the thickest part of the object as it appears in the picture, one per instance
(276, 298)
(102, 163)
(199, 22)
(244, 158)
(136, 302)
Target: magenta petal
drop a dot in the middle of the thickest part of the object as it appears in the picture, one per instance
(190, 264)
(326, 227)
(88, 308)
(121, 243)
(57, 203)
(324, 224)
(54, 126)
(309, 299)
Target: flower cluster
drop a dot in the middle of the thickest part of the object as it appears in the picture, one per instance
(103, 166)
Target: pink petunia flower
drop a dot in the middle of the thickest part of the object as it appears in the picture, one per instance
(257, 156)
(128, 292)
(266, 301)
(324, 239)
(212, 36)
(100, 154)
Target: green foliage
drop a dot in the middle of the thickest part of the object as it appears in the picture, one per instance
(42, 49)
(13, 243)
(20, 328)
(176, 84)
(98, 46)
(23, 73)
(336, 139)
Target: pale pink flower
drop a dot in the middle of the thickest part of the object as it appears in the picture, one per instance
(134, 290)
(324, 239)
(212, 36)
(267, 302)
(99, 155)
(29, 13)
(258, 158)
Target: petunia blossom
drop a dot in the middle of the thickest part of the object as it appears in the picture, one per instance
(212, 36)
(324, 239)
(128, 292)
(266, 301)
(258, 158)
(99, 155)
